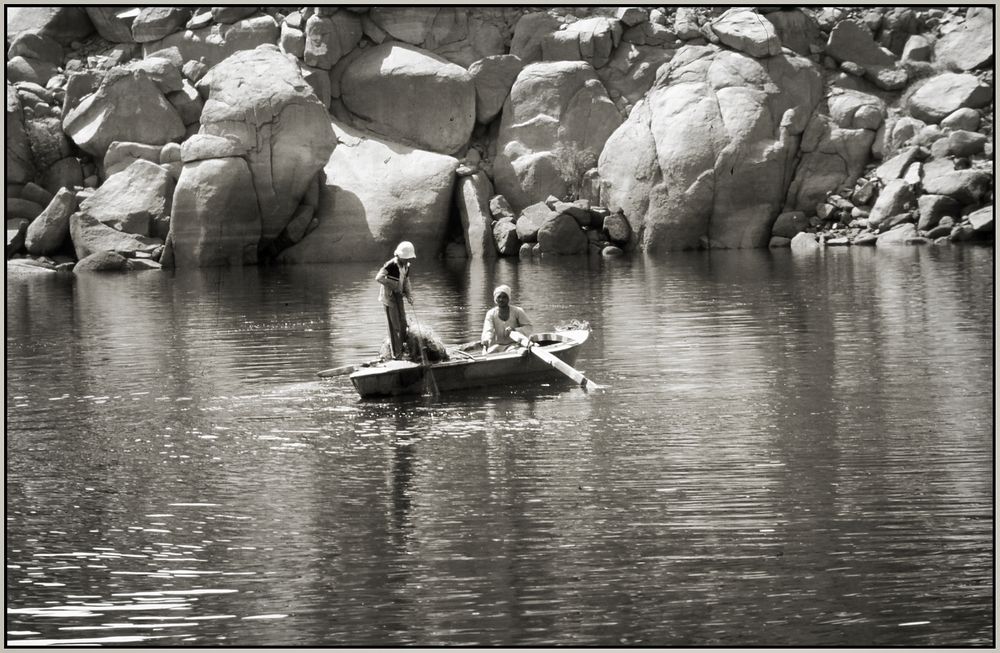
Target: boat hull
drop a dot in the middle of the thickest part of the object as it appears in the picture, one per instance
(392, 378)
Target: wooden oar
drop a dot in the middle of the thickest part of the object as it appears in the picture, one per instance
(344, 369)
(555, 362)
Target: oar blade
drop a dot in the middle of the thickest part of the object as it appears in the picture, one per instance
(337, 371)
(556, 362)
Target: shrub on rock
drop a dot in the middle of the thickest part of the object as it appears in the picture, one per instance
(554, 125)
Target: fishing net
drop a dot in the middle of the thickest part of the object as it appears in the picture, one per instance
(419, 334)
(572, 325)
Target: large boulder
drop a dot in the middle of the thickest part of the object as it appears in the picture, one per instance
(968, 186)
(260, 99)
(64, 24)
(897, 197)
(36, 46)
(155, 23)
(472, 196)
(214, 43)
(592, 40)
(375, 194)
(216, 220)
(493, 77)
(852, 42)
(89, 235)
(531, 220)
(562, 235)
(934, 207)
(903, 234)
(136, 200)
(745, 30)
(553, 127)
(971, 46)
(944, 94)
(705, 159)
(851, 109)
(102, 261)
(47, 233)
(412, 96)
(128, 106)
(29, 69)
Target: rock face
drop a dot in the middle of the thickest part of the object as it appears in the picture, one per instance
(128, 106)
(555, 124)
(375, 194)
(410, 95)
(216, 220)
(653, 128)
(260, 99)
(705, 160)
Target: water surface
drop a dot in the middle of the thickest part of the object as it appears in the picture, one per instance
(791, 451)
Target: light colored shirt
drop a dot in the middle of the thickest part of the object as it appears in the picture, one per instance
(494, 327)
(393, 279)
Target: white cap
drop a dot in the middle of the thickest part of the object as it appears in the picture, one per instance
(405, 250)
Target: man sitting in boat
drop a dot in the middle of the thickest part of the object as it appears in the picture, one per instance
(501, 320)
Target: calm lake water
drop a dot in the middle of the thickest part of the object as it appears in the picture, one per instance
(793, 450)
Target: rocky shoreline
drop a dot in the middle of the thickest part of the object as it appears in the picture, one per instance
(169, 137)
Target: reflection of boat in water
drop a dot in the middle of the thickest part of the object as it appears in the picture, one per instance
(470, 370)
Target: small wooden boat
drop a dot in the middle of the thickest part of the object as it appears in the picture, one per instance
(469, 370)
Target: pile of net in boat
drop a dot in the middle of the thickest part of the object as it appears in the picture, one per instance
(418, 334)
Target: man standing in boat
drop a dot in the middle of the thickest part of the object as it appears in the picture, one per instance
(394, 285)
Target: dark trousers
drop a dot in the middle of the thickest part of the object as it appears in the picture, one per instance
(395, 315)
